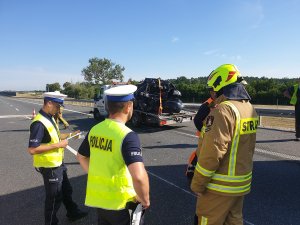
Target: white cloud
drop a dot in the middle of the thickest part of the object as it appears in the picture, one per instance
(235, 57)
(174, 39)
(216, 53)
(211, 52)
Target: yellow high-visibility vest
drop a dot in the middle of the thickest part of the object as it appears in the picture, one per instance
(109, 184)
(54, 157)
(293, 100)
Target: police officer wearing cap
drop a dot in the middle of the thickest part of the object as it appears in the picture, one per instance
(223, 172)
(47, 144)
(111, 155)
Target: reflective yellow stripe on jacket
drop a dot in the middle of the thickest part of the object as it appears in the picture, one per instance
(109, 183)
(293, 100)
(235, 141)
(204, 221)
(51, 158)
(229, 189)
(230, 182)
(203, 171)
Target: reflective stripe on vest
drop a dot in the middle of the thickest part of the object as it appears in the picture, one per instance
(109, 184)
(51, 158)
(293, 100)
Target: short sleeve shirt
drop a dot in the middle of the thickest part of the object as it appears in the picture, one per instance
(131, 148)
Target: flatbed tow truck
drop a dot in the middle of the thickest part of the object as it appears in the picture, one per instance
(151, 106)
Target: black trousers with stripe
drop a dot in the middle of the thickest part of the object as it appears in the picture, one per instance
(58, 189)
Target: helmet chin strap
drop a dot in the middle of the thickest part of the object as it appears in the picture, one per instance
(219, 92)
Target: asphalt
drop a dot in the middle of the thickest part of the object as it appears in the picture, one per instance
(274, 198)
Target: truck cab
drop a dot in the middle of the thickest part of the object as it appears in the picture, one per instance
(100, 106)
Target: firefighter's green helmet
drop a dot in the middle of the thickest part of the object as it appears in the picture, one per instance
(222, 76)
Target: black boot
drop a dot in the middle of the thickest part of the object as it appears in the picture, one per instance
(78, 214)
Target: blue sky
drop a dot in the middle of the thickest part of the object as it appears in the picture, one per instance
(51, 41)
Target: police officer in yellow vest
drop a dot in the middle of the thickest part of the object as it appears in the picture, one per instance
(293, 93)
(224, 169)
(46, 144)
(111, 155)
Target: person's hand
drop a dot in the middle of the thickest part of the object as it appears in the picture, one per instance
(145, 204)
(63, 143)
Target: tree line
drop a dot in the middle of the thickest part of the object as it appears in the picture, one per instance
(262, 90)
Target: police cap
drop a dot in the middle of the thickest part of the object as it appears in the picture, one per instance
(55, 96)
(123, 93)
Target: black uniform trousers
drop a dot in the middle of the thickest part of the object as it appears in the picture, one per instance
(58, 189)
(297, 120)
(113, 217)
(118, 217)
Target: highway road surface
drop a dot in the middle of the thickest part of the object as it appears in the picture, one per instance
(274, 199)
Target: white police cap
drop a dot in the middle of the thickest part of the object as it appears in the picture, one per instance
(55, 96)
(123, 93)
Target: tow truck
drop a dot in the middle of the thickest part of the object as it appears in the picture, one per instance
(156, 103)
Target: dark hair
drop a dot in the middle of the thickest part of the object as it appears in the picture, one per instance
(46, 101)
(115, 107)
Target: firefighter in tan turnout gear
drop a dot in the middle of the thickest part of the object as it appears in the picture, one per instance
(224, 169)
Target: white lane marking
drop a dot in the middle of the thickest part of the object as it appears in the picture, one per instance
(172, 184)
(14, 116)
(189, 135)
(88, 114)
(24, 100)
(258, 150)
(247, 222)
(277, 154)
(17, 109)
